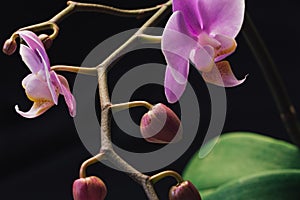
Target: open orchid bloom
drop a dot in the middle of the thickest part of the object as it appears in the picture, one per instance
(203, 32)
(43, 85)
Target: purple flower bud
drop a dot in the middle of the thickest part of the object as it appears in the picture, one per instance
(90, 188)
(185, 190)
(9, 47)
(161, 125)
(47, 41)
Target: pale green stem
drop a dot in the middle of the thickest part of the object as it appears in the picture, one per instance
(149, 39)
(169, 173)
(80, 70)
(39, 27)
(84, 7)
(123, 106)
(90, 161)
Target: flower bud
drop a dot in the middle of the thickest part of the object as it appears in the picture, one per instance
(47, 41)
(161, 125)
(9, 46)
(185, 190)
(90, 188)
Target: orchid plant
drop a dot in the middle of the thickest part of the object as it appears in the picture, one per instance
(200, 33)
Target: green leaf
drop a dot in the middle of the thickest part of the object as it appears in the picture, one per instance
(240, 154)
(269, 185)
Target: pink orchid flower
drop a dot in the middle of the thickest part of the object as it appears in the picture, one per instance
(43, 85)
(203, 32)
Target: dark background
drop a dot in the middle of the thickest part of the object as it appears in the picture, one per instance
(40, 158)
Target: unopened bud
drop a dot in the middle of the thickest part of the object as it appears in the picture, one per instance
(90, 188)
(184, 191)
(9, 46)
(161, 125)
(47, 41)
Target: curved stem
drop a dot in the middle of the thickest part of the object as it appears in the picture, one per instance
(272, 76)
(118, 52)
(63, 14)
(79, 70)
(124, 106)
(39, 27)
(86, 7)
(90, 7)
(85, 164)
(157, 177)
(149, 39)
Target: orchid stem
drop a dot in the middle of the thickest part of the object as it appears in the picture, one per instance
(106, 144)
(87, 7)
(272, 76)
(123, 106)
(39, 27)
(149, 39)
(108, 61)
(85, 164)
(79, 70)
(157, 177)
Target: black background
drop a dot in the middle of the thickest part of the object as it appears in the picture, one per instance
(40, 158)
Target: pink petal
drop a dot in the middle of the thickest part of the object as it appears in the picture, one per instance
(36, 89)
(31, 59)
(222, 75)
(203, 58)
(178, 66)
(64, 89)
(52, 88)
(35, 43)
(36, 110)
(222, 16)
(228, 46)
(173, 89)
(190, 11)
(177, 44)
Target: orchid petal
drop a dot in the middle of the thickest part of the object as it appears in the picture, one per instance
(203, 58)
(31, 59)
(190, 13)
(173, 89)
(222, 16)
(222, 75)
(177, 53)
(176, 38)
(36, 89)
(52, 88)
(35, 43)
(178, 66)
(62, 83)
(228, 46)
(36, 110)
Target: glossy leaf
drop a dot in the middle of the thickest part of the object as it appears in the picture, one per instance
(268, 185)
(237, 155)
